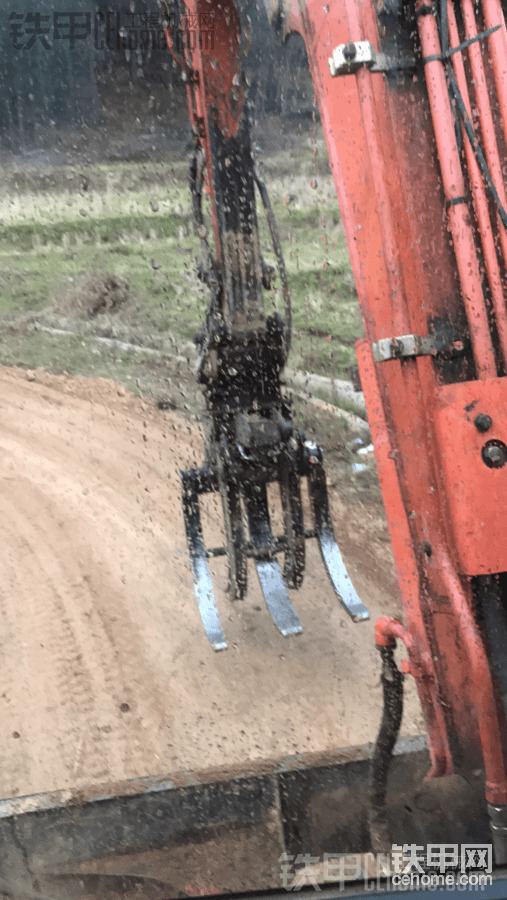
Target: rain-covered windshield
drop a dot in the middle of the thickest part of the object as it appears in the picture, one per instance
(194, 541)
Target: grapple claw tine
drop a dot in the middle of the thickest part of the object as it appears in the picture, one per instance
(276, 597)
(268, 570)
(327, 541)
(200, 572)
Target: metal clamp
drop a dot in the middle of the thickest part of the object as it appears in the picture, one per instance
(348, 58)
(408, 345)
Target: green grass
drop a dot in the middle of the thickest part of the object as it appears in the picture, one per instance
(41, 262)
(34, 279)
(60, 228)
(73, 354)
(36, 234)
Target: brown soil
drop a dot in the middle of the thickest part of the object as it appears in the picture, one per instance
(103, 293)
(106, 673)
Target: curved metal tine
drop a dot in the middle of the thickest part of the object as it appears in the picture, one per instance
(329, 547)
(270, 577)
(202, 578)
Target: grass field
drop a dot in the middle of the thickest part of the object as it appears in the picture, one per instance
(61, 228)
(65, 230)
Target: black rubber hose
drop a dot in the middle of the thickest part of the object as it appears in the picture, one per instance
(392, 682)
(494, 613)
(277, 247)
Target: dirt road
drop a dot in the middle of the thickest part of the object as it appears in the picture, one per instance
(105, 672)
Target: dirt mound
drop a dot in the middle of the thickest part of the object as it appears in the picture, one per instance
(102, 293)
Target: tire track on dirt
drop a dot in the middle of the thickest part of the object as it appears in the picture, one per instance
(94, 567)
(71, 641)
(45, 530)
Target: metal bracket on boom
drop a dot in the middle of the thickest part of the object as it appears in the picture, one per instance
(348, 58)
(408, 345)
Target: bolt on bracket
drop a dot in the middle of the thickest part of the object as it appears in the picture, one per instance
(408, 345)
(348, 58)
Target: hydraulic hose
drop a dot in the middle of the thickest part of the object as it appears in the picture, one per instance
(392, 682)
(277, 247)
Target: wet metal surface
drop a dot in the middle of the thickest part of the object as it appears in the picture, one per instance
(270, 576)
(328, 545)
(200, 572)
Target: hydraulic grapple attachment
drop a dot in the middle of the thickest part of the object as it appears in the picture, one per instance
(240, 488)
(251, 441)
